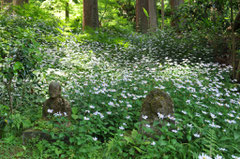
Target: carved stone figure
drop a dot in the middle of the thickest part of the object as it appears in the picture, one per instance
(157, 107)
(56, 105)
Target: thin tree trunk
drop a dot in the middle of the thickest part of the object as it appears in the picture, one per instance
(162, 13)
(90, 14)
(67, 11)
(233, 45)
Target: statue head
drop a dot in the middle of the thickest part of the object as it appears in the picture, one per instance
(54, 90)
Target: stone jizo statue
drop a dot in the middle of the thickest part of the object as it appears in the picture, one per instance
(56, 105)
(157, 107)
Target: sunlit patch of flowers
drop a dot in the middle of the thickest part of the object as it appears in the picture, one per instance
(108, 89)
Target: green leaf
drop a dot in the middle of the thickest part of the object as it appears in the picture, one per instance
(189, 138)
(138, 149)
(236, 135)
(146, 12)
(75, 117)
(163, 143)
(17, 66)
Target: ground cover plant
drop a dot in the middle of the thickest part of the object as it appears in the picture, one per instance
(105, 76)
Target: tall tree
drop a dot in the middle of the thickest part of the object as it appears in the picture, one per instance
(146, 15)
(90, 14)
(152, 10)
(67, 10)
(5, 2)
(162, 13)
(174, 6)
(19, 2)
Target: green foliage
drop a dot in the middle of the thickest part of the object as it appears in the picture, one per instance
(21, 44)
(105, 75)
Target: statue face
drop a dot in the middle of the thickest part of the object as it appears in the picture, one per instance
(54, 90)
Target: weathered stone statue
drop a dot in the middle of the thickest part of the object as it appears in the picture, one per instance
(56, 105)
(157, 107)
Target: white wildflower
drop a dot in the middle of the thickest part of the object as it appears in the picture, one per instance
(50, 110)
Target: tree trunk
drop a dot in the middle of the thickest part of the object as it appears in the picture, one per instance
(152, 10)
(67, 11)
(174, 6)
(162, 13)
(141, 18)
(146, 22)
(236, 25)
(5, 2)
(90, 14)
(19, 2)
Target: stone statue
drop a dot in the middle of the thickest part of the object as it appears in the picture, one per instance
(56, 105)
(157, 107)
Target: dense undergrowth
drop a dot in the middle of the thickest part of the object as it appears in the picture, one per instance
(106, 75)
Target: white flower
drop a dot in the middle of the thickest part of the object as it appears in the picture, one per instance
(128, 117)
(109, 113)
(57, 114)
(50, 110)
(233, 156)
(85, 118)
(96, 113)
(101, 115)
(218, 157)
(214, 125)
(222, 149)
(196, 135)
(213, 116)
(184, 112)
(129, 105)
(204, 112)
(197, 114)
(92, 107)
(111, 103)
(204, 156)
(175, 131)
(189, 125)
(230, 121)
(153, 143)
(231, 115)
(95, 138)
(171, 117)
(160, 116)
(147, 125)
(121, 128)
(144, 117)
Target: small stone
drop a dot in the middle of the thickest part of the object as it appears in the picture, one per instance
(31, 134)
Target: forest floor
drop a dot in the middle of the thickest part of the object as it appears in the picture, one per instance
(106, 76)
